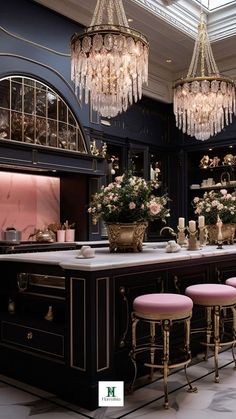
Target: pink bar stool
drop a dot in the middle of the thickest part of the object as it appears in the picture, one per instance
(231, 281)
(161, 312)
(215, 298)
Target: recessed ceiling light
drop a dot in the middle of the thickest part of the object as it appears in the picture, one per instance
(168, 60)
(230, 146)
(210, 149)
(130, 19)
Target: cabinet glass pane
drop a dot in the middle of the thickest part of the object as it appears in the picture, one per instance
(51, 105)
(16, 126)
(62, 111)
(71, 138)
(41, 103)
(5, 94)
(4, 124)
(52, 133)
(29, 124)
(41, 131)
(62, 136)
(29, 100)
(16, 96)
(71, 118)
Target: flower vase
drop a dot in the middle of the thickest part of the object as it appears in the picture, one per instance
(70, 235)
(228, 232)
(126, 237)
(61, 235)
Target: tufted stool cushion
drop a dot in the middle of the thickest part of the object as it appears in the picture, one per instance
(163, 306)
(231, 281)
(212, 294)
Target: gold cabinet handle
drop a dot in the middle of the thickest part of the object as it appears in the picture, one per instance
(29, 336)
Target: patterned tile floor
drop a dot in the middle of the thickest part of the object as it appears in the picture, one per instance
(212, 401)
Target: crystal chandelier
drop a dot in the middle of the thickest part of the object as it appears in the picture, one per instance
(204, 101)
(109, 60)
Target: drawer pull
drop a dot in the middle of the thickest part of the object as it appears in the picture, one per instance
(29, 336)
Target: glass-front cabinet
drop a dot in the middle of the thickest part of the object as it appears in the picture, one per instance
(211, 169)
(32, 113)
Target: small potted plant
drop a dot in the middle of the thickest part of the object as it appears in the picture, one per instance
(69, 231)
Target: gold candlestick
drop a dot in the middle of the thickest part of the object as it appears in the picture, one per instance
(192, 240)
(202, 236)
(181, 238)
(220, 235)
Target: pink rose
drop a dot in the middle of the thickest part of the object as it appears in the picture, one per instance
(223, 191)
(132, 205)
(154, 208)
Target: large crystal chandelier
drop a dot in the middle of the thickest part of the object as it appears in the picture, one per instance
(109, 60)
(204, 101)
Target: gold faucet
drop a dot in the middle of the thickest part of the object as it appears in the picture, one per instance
(171, 230)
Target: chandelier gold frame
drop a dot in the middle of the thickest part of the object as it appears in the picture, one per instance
(109, 60)
(204, 101)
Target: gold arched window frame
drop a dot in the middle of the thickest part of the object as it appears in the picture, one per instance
(33, 113)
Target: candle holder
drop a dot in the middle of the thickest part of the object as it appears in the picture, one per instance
(181, 238)
(219, 236)
(192, 240)
(202, 236)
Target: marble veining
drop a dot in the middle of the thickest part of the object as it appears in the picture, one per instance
(28, 201)
(213, 401)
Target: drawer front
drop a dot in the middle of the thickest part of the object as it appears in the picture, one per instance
(32, 338)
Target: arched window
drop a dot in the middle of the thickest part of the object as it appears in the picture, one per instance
(32, 113)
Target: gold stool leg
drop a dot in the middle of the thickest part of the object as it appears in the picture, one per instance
(216, 341)
(234, 333)
(208, 331)
(152, 348)
(132, 353)
(188, 355)
(166, 353)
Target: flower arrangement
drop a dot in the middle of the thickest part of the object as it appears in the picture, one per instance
(216, 203)
(128, 199)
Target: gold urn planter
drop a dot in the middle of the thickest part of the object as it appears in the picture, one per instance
(126, 237)
(228, 233)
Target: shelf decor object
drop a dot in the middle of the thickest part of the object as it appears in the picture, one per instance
(109, 60)
(204, 101)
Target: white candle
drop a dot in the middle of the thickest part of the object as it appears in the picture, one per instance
(201, 221)
(192, 226)
(181, 222)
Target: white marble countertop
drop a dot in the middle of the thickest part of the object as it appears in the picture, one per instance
(153, 253)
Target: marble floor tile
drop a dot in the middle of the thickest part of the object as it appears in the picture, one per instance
(212, 401)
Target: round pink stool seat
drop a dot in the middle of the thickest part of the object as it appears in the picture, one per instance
(212, 294)
(231, 281)
(163, 306)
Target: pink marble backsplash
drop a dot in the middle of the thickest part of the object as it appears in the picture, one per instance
(28, 202)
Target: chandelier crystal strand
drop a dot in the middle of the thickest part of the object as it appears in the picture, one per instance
(109, 61)
(204, 101)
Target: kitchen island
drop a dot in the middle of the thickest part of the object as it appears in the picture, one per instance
(65, 320)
